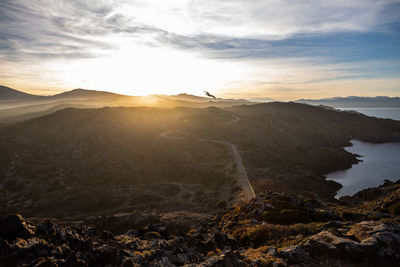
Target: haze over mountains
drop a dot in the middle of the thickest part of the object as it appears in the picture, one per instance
(355, 102)
(18, 106)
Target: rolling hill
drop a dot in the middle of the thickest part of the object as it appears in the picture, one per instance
(76, 163)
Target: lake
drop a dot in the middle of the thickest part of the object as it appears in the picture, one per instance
(384, 113)
(379, 162)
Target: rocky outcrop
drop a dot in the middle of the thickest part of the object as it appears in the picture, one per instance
(368, 243)
(50, 244)
(273, 229)
(15, 226)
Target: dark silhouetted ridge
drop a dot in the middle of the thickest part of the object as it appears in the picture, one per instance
(7, 93)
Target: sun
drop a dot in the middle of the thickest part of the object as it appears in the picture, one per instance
(139, 70)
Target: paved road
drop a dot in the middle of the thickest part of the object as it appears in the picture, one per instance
(167, 133)
(236, 119)
(244, 180)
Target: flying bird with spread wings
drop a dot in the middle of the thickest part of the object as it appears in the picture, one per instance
(210, 95)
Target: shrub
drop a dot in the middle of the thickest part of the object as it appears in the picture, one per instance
(235, 189)
(221, 204)
(152, 235)
(394, 208)
(271, 234)
(287, 216)
(313, 202)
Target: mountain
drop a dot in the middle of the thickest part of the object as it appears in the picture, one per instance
(7, 93)
(187, 97)
(85, 93)
(261, 99)
(355, 102)
(19, 109)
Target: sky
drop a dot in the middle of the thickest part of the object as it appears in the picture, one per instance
(279, 49)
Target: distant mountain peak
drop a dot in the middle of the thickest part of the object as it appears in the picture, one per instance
(261, 99)
(80, 92)
(7, 93)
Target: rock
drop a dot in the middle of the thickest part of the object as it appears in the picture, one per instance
(90, 231)
(295, 254)
(106, 235)
(73, 261)
(127, 262)
(132, 232)
(5, 248)
(46, 262)
(179, 259)
(46, 228)
(221, 240)
(375, 243)
(334, 224)
(381, 240)
(272, 252)
(14, 226)
(34, 245)
(152, 235)
(228, 259)
(335, 243)
(328, 243)
(165, 262)
(378, 229)
(65, 250)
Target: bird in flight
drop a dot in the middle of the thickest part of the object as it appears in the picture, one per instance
(210, 95)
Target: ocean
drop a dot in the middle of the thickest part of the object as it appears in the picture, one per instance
(379, 162)
(384, 113)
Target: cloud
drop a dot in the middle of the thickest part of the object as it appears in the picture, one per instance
(280, 41)
(262, 19)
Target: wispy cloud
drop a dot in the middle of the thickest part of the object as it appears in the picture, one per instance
(317, 37)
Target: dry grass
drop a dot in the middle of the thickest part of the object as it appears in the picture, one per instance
(278, 235)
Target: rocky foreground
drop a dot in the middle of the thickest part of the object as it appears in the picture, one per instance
(274, 229)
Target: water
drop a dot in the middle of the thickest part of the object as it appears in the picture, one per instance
(385, 113)
(380, 162)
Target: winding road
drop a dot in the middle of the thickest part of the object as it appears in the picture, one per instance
(244, 179)
(236, 119)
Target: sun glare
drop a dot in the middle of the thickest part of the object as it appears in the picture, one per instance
(137, 70)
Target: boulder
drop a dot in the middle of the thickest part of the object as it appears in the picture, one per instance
(15, 226)
(294, 254)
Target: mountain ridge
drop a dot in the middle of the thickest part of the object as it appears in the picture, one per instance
(8, 93)
(81, 92)
(355, 102)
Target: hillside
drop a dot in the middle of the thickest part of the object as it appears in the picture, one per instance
(76, 163)
(290, 146)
